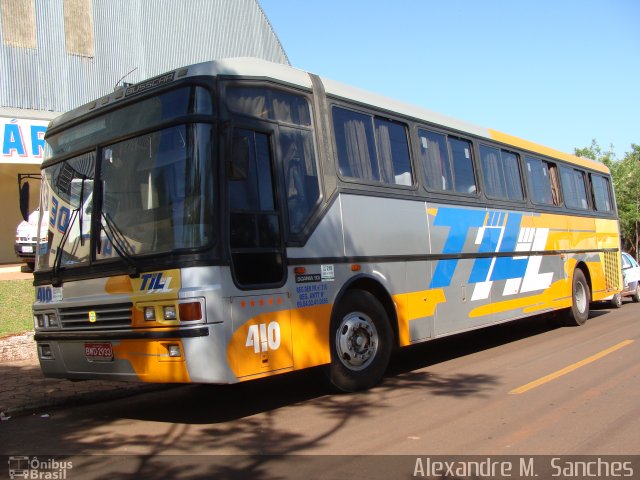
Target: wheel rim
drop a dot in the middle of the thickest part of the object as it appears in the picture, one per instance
(356, 341)
(581, 297)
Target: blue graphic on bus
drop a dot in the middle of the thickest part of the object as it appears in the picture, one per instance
(496, 232)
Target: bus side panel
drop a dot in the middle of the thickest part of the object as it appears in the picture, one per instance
(376, 227)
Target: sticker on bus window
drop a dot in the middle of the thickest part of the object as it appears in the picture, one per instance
(327, 273)
(467, 154)
(425, 143)
(56, 294)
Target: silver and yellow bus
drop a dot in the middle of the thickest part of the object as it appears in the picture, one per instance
(237, 219)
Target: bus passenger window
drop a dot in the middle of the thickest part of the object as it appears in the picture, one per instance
(501, 171)
(573, 187)
(462, 166)
(435, 161)
(443, 171)
(356, 147)
(543, 181)
(601, 193)
(393, 152)
(373, 155)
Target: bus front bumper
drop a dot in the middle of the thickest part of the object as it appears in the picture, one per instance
(132, 355)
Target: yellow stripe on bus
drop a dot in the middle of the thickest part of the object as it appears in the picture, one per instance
(551, 152)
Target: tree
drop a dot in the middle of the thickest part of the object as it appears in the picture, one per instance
(594, 152)
(628, 196)
(626, 183)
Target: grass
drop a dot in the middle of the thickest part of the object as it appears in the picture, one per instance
(16, 297)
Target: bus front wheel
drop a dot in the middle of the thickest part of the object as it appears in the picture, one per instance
(580, 298)
(360, 339)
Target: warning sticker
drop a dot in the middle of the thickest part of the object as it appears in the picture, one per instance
(327, 274)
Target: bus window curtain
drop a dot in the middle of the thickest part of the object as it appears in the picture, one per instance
(493, 180)
(512, 176)
(555, 187)
(290, 109)
(282, 110)
(358, 154)
(432, 164)
(249, 102)
(385, 154)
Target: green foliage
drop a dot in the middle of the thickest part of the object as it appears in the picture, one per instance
(16, 297)
(626, 182)
(595, 152)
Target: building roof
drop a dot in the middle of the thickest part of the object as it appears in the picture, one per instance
(67, 53)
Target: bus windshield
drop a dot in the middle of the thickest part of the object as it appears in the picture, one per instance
(149, 194)
(155, 196)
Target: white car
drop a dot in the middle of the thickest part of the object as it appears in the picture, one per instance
(630, 280)
(27, 239)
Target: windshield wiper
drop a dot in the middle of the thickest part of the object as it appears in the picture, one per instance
(81, 209)
(56, 281)
(119, 243)
(77, 213)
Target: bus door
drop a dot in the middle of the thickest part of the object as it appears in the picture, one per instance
(261, 322)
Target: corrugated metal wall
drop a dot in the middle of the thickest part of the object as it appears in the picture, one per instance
(151, 36)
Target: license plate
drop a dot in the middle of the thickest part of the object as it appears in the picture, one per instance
(98, 352)
(28, 249)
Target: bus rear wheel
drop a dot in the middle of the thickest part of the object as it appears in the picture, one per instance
(580, 298)
(360, 339)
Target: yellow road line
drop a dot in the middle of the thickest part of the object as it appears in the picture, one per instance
(570, 368)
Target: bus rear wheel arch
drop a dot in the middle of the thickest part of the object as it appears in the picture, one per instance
(361, 341)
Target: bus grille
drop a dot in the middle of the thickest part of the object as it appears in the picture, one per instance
(106, 316)
(612, 269)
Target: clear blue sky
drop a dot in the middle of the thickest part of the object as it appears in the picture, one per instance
(556, 72)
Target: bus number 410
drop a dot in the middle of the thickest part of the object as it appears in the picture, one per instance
(264, 337)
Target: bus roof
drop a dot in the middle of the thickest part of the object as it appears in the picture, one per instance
(261, 69)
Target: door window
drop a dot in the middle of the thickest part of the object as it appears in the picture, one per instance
(254, 221)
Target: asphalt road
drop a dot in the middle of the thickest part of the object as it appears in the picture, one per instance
(524, 388)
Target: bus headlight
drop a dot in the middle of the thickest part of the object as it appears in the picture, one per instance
(52, 320)
(169, 312)
(38, 321)
(149, 314)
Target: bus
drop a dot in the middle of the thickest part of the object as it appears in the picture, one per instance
(237, 219)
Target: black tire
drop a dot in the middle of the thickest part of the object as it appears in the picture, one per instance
(616, 301)
(580, 298)
(361, 342)
(636, 296)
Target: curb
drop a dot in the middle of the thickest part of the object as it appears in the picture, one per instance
(86, 398)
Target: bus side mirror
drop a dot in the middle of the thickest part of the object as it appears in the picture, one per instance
(24, 201)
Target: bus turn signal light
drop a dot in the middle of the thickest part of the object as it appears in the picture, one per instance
(190, 311)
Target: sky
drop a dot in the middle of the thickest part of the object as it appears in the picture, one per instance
(556, 72)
